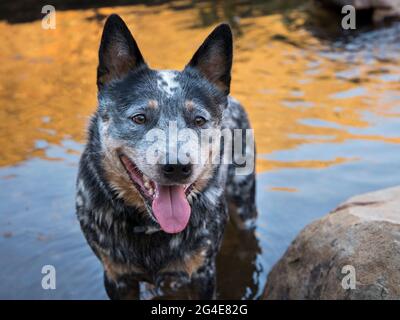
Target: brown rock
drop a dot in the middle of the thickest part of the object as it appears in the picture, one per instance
(364, 233)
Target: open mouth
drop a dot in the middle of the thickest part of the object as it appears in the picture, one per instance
(170, 205)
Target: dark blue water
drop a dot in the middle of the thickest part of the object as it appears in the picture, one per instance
(37, 219)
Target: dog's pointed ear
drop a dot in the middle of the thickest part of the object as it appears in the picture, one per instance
(118, 53)
(214, 58)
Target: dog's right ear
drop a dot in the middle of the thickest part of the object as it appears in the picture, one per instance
(118, 53)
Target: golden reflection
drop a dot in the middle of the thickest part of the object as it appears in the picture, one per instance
(265, 165)
(47, 79)
(283, 189)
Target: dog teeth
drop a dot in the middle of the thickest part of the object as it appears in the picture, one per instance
(145, 180)
(148, 187)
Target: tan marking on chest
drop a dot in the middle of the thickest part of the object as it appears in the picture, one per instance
(190, 264)
(115, 270)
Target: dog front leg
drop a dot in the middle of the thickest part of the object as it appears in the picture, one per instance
(123, 288)
(204, 282)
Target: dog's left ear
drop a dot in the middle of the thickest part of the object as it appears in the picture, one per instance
(118, 54)
(214, 58)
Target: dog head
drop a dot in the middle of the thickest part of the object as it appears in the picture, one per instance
(151, 122)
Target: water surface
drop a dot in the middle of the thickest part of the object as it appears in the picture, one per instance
(325, 109)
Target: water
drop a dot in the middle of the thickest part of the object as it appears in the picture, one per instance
(325, 109)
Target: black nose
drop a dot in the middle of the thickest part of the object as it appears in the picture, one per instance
(177, 171)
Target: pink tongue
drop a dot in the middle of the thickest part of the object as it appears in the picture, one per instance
(171, 208)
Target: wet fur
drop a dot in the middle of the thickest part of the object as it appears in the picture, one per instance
(114, 218)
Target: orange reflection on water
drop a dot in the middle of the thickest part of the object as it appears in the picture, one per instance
(48, 91)
(282, 189)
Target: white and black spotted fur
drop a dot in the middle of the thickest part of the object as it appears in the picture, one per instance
(115, 217)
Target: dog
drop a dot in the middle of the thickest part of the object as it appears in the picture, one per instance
(161, 223)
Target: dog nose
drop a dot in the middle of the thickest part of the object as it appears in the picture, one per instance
(177, 171)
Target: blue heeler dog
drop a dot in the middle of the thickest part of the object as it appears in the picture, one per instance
(161, 222)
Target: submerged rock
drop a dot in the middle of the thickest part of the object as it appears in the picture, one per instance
(381, 9)
(360, 241)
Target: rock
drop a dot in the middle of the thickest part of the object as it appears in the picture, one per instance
(363, 233)
(382, 9)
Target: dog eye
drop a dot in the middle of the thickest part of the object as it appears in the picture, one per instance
(199, 121)
(139, 118)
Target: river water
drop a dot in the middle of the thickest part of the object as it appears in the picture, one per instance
(325, 107)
